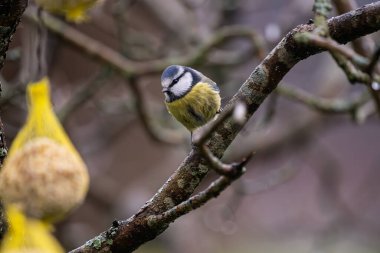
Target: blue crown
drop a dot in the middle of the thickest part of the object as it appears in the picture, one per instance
(169, 72)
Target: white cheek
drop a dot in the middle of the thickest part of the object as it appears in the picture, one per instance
(165, 83)
(183, 85)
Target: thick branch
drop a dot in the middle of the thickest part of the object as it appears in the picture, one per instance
(362, 45)
(10, 14)
(130, 234)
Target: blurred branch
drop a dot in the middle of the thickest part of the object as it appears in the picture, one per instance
(84, 93)
(89, 46)
(349, 105)
(373, 62)
(364, 112)
(14, 54)
(178, 22)
(200, 142)
(196, 201)
(270, 141)
(268, 181)
(331, 45)
(269, 113)
(135, 44)
(158, 134)
(127, 235)
(361, 45)
(353, 74)
(129, 68)
(228, 172)
(321, 10)
(10, 14)
(346, 59)
(12, 90)
(244, 187)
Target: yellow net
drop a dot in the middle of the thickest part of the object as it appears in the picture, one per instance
(74, 10)
(43, 174)
(26, 235)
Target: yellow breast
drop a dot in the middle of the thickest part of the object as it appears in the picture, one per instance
(197, 107)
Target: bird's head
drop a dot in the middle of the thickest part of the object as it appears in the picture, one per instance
(177, 81)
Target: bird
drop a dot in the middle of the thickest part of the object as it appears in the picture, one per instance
(191, 97)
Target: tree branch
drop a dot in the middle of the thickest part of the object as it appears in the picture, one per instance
(373, 62)
(10, 14)
(83, 94)
(228, 172)
(332, 45)
(148, 121)
(196, 201)
(348, 105)
(239, 116)
(126, 236)
(128, 68)
(362, 45)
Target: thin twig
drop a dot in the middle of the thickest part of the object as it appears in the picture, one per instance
(129, 68)
(84, 93)
(347, 105)
(332, 46)
(206, 134)
(201, 141)
(228, 172)
(196, 201)
(321, 9)
(373, 62)
(363, 45)
(157, 134)
(353, 74)
(269, 112)
(342, 57)
(269, 180)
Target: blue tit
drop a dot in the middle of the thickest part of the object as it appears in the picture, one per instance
(192, 98)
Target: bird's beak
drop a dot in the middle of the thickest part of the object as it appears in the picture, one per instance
(164, 90)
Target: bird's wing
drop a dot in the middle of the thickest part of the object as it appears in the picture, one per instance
(210, 82)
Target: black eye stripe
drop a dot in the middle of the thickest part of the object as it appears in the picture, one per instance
(177, 79)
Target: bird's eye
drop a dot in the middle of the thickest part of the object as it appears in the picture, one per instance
(175, 81)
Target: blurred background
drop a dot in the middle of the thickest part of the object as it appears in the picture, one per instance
(314, 182)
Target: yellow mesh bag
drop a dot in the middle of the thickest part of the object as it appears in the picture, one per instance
(74, 10)
(43, 174)
(26, 235)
